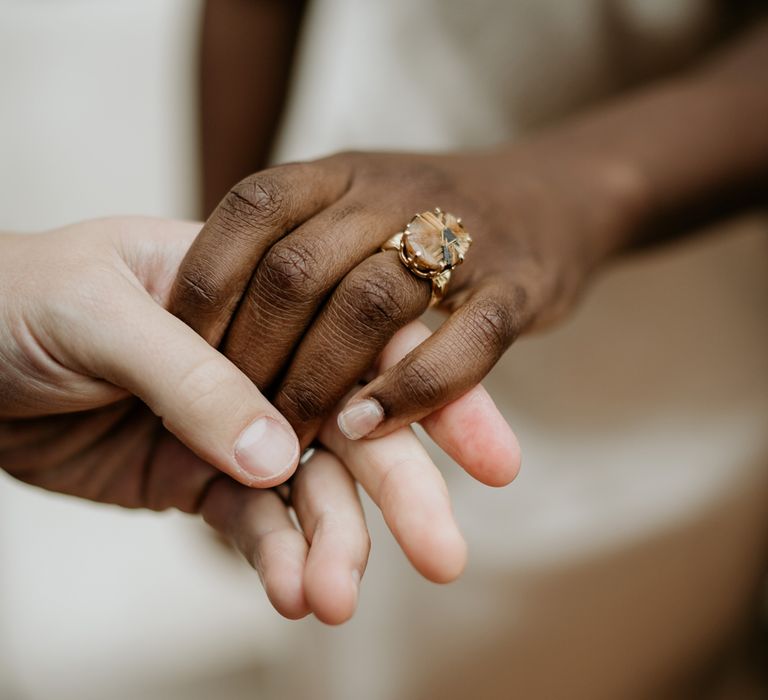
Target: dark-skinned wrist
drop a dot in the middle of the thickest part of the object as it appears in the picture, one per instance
(600, 200)
(680, 153)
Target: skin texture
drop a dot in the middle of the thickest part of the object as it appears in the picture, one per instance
(329, 301)
(292, 252)
(105, 395)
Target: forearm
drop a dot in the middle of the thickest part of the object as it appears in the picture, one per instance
(246, 57)
(676, 153)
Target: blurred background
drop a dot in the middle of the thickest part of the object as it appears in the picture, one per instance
(627, 560)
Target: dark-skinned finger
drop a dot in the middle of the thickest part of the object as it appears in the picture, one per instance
(294, 279)
(443, 368)
(373, 301)
(470, 429)
(255, 213)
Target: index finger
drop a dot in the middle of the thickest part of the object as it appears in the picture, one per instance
(254, 214)
(470, 429)
(446, 365)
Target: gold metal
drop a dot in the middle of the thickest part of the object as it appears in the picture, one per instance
(431, 245)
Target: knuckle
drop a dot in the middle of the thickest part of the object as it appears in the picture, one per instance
(389, 488)
(377, 301)
(256, 198)
(349, 157)
(423, 383)
(202, 386)
(292, 269)
(303, 401)
(492, 323)
(198, 288)
(347, 212)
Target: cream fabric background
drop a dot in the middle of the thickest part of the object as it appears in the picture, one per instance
(635, 535)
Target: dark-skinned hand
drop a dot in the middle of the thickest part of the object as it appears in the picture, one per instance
(293, 254)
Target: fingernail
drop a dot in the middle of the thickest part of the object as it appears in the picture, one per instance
(360, 418)
(266, 449)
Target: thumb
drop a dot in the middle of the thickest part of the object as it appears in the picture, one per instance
(200, 395)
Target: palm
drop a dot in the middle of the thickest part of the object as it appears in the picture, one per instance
(94, 440)
(117, 454)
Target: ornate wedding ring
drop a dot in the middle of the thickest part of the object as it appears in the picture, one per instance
(431, 246)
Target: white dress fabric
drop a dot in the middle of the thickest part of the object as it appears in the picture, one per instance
(629, 549)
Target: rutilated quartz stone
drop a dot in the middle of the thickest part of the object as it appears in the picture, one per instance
(435, 242)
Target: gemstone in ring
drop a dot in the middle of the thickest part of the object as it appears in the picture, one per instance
(431, 246)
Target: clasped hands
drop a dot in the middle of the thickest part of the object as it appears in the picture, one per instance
(149, 363)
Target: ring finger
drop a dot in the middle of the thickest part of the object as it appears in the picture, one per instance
(371, 304)
(293, 280)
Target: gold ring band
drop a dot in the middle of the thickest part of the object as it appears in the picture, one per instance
(432, 244)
